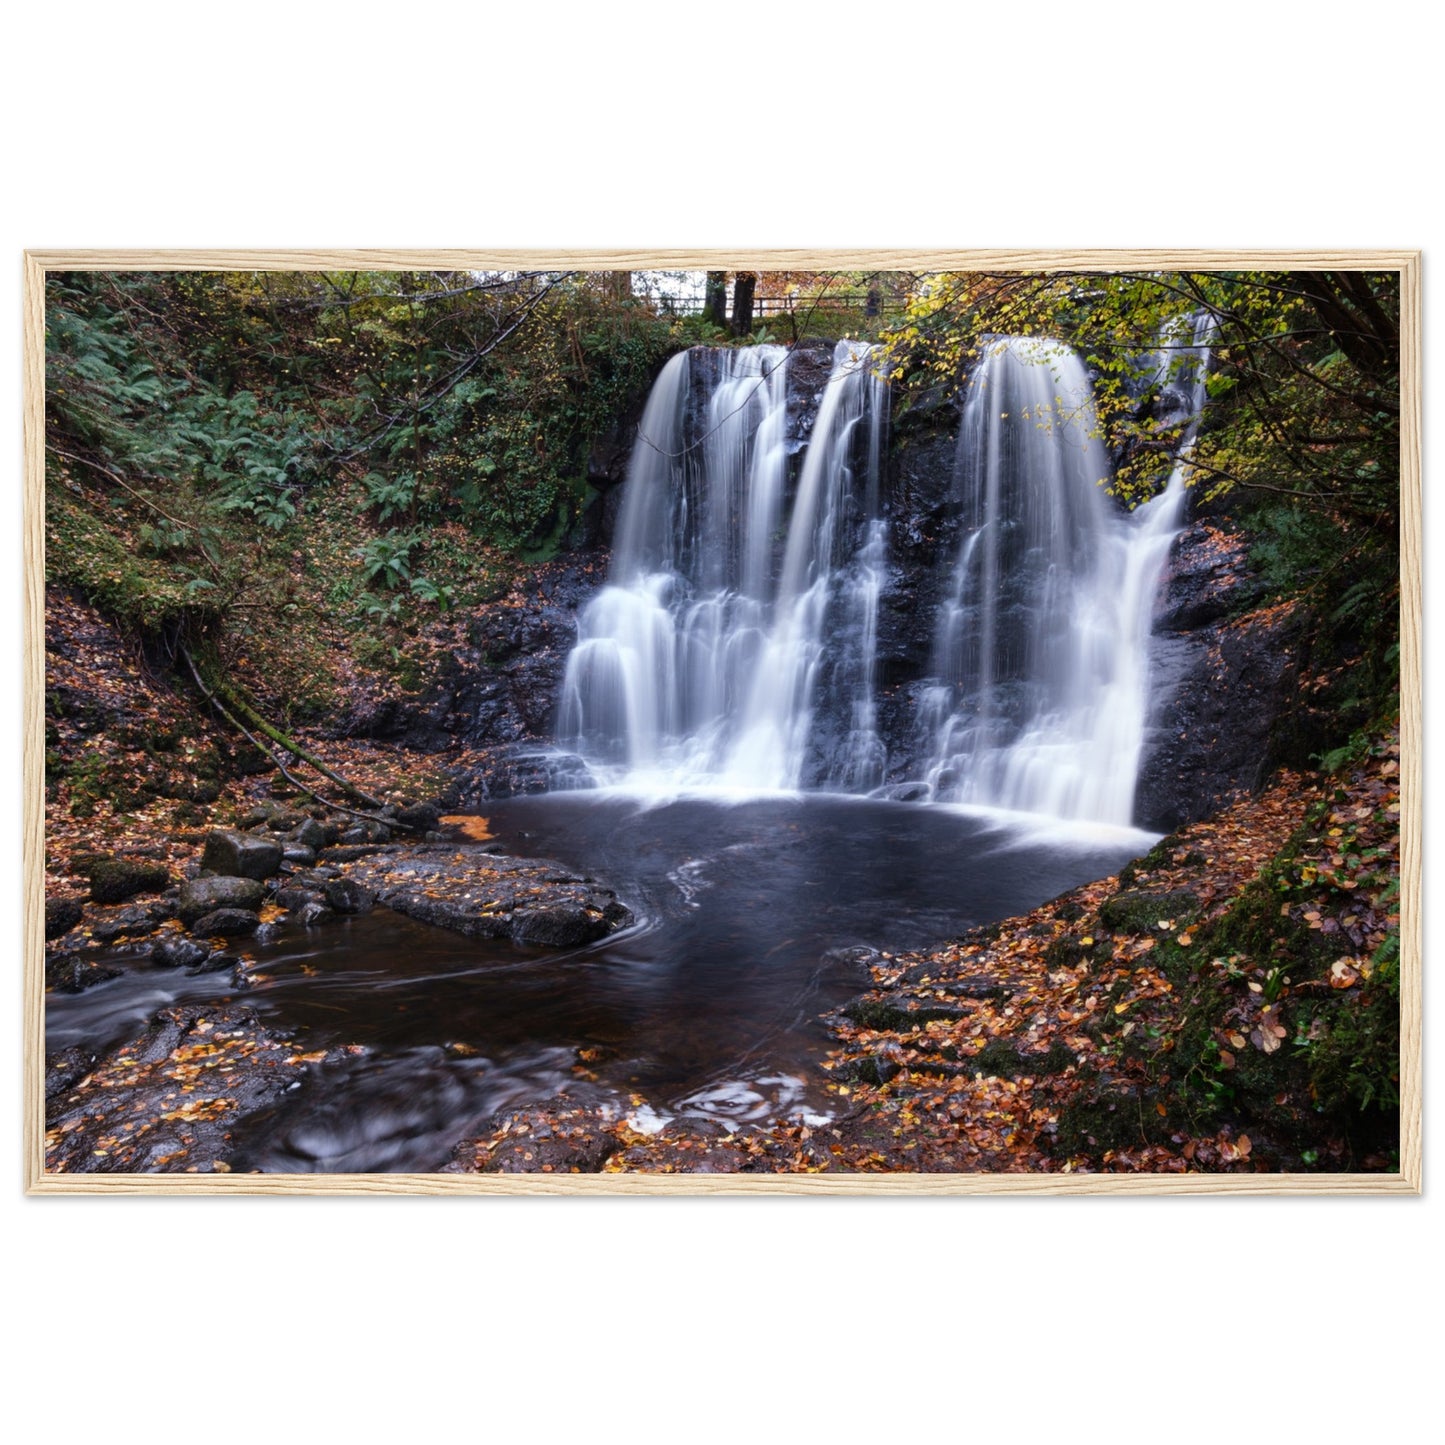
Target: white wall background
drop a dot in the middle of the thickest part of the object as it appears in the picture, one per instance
(268, 125)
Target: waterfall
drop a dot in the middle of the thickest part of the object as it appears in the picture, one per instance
(1040, 696)
(740, 613)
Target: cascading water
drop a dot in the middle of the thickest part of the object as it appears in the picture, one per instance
(737, 606)
(1041, 653)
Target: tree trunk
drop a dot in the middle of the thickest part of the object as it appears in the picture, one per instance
(715, 307)
(744, 284)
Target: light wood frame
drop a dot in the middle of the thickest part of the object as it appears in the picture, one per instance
(1407, 262)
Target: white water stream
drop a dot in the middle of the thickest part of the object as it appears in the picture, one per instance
(734, 591)
(735, 645)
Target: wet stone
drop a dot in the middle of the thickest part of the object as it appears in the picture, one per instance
(204, 895)
(69, 973)
(294, 897)
(240, 855)
(178, 952)
(131, 922)
(310, 834)
(345, 895)
(61, 915)
(226, 923)
(482, 895)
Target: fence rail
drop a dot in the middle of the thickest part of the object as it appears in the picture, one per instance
(787, 305)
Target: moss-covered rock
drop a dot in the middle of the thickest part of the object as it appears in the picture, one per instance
(113, 880)
(1140, 912)
(999, 1059)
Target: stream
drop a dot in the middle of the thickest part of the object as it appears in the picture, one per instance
(709, 1005)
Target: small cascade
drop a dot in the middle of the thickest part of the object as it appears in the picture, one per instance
(739, 605)
(1041, 696)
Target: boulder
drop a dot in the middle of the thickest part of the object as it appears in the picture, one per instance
(530, 901)
(563, 925)
(312, 913)
(309, 834)
(178, 952)
(419, 817)
(113, 880)
(240, 855)
(346, 895)
(226, 923)
(217, 962)
(61, 915)
(204, 895)
(70, 973)
(295, 856)
(294, 897)
(131, 922)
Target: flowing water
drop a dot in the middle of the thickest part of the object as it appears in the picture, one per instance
(1041, 692)
(708, 1007)
(740, 594)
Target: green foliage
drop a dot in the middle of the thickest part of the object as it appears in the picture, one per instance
(1305, 368)
(232, 452)
(387, 559)
(425, 590)
(89, 782)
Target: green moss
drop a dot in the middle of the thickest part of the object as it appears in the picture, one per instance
(999, 1059)
(113, 880)
(1136, 912)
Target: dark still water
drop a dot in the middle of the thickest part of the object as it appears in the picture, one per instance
(707, 1006)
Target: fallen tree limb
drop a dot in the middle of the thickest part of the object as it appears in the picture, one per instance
(292, 746)
(260, 747)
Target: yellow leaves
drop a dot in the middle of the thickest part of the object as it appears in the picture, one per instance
(473, 828)
(199, 1110)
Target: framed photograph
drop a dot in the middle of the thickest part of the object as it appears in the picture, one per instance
(926, 722)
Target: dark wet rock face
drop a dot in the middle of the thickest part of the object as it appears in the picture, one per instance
(177, 952)
(1223, 677)
(226, 923)
(132, 922)
(240, 855)
(61, 915)
(485, 896)
(70, 973)
(516, 771)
